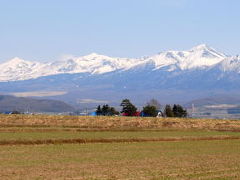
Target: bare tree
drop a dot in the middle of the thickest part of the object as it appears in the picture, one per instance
(155, 103)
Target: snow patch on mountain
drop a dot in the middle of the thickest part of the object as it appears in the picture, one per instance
(231, 64)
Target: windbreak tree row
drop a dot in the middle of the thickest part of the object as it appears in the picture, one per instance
(152, 109)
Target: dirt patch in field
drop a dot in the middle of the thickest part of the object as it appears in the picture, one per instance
(130, 140)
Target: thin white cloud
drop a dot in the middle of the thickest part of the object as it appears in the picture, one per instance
(86, 101)
(39, 93)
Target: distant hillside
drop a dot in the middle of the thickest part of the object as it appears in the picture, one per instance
(215, 100)
(11, 103)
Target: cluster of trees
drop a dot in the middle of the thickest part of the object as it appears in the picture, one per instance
(106, 110)
(128, 108)
(152, 109)
(175, 111)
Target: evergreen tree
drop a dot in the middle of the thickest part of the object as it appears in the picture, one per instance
(178, 111)
(99, 110)
(106, 110)
(150, 111)
(112, 111)
(128, 107)
(168, 111)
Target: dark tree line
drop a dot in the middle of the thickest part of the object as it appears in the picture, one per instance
(152, 109)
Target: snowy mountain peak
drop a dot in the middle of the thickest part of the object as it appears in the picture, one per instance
(198, 57)
(200, 47)
(16, 60)
(95, 56)
(16, 63)
(207, 51)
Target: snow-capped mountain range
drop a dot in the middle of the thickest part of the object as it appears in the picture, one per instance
(172, 76)
(200, 57)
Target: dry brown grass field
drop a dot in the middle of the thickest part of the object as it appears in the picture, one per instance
(112, 123)
(73, 147)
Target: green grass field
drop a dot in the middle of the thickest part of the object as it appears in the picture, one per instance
(35, 135)
(194, 154)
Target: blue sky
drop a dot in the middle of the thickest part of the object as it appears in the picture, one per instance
(46, 30)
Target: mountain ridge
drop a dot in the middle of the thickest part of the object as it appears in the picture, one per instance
(199, 57)
(171, 77)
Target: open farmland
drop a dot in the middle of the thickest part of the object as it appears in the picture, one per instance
(115, 123)
(71, 147)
